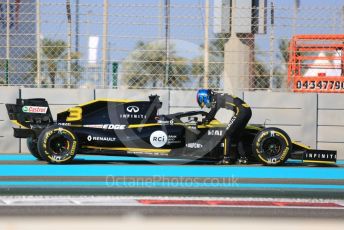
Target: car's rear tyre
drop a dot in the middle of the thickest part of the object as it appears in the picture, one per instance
(272, 146)
(57, 145)
(32, 146)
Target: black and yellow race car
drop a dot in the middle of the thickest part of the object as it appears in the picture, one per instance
(126, 127)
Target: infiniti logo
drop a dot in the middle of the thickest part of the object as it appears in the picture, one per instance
(133, 109)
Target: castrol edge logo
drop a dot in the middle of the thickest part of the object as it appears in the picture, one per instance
(34, 109)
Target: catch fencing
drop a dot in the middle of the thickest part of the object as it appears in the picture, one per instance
(160, 44)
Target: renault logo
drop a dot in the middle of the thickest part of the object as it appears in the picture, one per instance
(133, 109)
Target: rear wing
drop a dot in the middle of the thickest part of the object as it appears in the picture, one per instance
(30, 113)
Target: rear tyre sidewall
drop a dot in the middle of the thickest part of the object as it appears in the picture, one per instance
(276, 135)
(32, 146)
(52, 135)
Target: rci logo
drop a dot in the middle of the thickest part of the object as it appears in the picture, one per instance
(158, 139)
(133, 109)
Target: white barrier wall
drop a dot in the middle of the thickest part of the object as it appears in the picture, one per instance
(294, 113)
(330, 133)
(314, 119)
(135, 95)
(8, 144)
(181, 101)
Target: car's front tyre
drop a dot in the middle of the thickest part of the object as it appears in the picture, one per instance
(57, 144)
(272, 146)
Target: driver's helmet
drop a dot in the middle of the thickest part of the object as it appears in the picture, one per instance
(204, 97)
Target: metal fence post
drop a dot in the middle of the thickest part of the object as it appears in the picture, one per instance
(8, 32)
(104, 45)
(38, 43)
(272, 84)
(167, 42)
(206, 45)
(69, 42)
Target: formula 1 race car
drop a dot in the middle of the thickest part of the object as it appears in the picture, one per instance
(127, 128)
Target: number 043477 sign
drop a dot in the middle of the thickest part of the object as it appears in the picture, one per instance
(319, 84)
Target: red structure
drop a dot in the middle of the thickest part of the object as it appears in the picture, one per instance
(316, 63)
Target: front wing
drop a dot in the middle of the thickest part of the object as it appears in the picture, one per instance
(315, 156)
(320, 156)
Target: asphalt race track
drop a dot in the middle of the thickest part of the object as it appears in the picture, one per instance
(121, 186)
(22, 174)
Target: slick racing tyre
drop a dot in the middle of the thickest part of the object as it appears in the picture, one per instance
(32, 146)
(272, 146)
(57, 145)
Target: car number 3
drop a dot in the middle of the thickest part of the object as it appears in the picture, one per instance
(75, 114)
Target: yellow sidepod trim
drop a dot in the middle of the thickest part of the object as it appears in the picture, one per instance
(143, 125)
(129, 149)
(319, 162)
